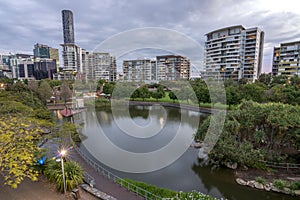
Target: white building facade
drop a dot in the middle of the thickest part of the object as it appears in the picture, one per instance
(234, 52)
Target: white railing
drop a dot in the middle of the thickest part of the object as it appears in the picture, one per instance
(123, 183)
(281, 165)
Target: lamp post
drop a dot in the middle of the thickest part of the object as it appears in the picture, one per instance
(63, 152)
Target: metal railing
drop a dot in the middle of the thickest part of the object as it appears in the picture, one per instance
(116, 179)
(281, 165)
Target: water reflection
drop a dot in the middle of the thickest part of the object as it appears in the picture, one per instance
(184, 174)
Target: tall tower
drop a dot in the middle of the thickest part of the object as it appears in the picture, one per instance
(68, 26)
(234, 52)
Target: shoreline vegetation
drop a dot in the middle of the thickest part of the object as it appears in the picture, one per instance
(252, 151)
(262, 125)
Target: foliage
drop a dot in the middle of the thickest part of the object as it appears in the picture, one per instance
(23, 118)
(65, 92)
(279, 184)
(254, 132)
(44, 91)
(166, 193)
(261, 180)
(74, 174)
(18, 138)
(172, 96)
(108, 88)
(295, 185)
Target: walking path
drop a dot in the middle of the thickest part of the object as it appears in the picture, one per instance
(102, 183)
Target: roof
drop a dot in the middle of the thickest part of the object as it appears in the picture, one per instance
(225, 28)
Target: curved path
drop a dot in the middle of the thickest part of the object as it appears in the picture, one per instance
(102, 183)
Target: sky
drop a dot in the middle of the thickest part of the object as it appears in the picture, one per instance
(25, 23)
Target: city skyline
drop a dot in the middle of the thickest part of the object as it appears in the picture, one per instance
(96, 21)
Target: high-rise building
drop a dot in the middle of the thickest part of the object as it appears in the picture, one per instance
(42, 51)
(172, 67)
(234, 52)
(286, 59)
(97, 65)
(71, 57)
(166, 67)
(22, 66)
(139, 70)
(68, 27)
(72, 64)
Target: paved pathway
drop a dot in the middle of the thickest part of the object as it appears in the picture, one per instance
(102, 183)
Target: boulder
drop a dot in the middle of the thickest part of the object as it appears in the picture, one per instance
(241, 181)
(297, 192)
(267, 187)
(251, 183)
(258, 185)
(231, 166)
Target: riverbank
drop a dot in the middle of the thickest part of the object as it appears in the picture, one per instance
(279, 180)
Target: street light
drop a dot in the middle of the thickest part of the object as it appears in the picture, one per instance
(63, 152)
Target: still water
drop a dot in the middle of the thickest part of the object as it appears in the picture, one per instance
(186, 173)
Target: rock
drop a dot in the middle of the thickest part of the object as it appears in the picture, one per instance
(245, 167)
(258, 186)
(297, 192)
(274, 189)
(203, 153)
(251, 184)
(286, 190)
(197, 145)
(241, 181)
(267, 187)
(231, 166)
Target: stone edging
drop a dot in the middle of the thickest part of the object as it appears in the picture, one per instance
(267, 187)
(97, 193)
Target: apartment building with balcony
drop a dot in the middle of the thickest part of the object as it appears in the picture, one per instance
(286, 59)
(172, 67)
(143, 70)
(164, 67)
(99, 65)
(234, 52)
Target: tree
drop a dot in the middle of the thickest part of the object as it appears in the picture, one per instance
(44, 91)
(160, 93)
(65, 92)
(232, 95)
(280, 79)
(18, 148)
(172, 96)
(265, 79)
(108, 88)
(254, 132)
(144, 92)
(253, 92)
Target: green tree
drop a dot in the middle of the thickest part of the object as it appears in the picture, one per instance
(160, 93)
(44, 91)
(65, 92)
(253, 92)
(18, 149)
(144, 92)
(172, 96)
(233, 95)
(265, 79)
(108, 88)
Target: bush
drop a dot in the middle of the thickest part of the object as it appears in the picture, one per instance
(74, 174)
(165, 193)
(261, 180)
(295, 185)
(279, 184)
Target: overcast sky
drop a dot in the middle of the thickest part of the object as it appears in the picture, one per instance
(24, 23)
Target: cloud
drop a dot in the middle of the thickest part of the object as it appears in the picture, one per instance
(24, 23)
